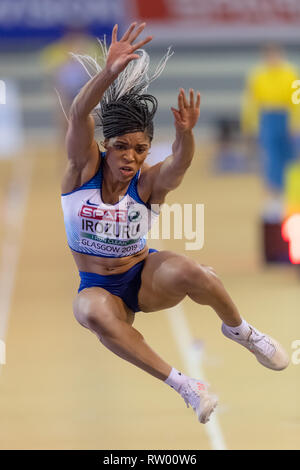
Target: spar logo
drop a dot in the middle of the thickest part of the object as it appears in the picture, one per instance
(91, 211)
(107, 215)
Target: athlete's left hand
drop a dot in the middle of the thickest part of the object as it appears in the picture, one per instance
(187, 114)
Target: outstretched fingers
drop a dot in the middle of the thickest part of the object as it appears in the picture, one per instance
(185, 102)
(191, 103)
(134, 34)
(142, 43)
(192, 98)
(128, 32)
(114, 33)
(176, 114)
(188, 110)
(180, 102)
(131, 34)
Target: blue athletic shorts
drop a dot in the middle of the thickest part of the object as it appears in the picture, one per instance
(125, 285)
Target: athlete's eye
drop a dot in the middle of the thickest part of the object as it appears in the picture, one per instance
(141, 150)
(120, 146)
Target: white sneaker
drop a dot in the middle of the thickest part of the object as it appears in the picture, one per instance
(195, 394)
(266, 349)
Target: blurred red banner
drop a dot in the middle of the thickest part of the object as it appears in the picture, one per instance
(221, 11)
(218, 21)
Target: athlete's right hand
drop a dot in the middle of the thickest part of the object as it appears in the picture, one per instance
(121, 52)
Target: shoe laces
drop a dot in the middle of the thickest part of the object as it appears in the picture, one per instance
(191, 392)
(261, 342)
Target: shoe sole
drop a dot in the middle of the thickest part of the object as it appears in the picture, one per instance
(277, 363)
(208, 405)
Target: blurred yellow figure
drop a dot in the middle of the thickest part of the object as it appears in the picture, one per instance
(269, 113)
(67, 75)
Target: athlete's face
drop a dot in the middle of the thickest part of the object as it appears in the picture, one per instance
(126, 154)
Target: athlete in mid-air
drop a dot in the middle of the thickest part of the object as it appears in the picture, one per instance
(107, 197)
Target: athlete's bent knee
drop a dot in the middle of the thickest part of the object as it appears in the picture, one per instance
(200, 277)
(93, 312)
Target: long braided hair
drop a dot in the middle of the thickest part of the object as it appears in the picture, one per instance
(125, 107)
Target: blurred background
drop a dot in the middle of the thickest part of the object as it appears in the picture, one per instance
(58, 387)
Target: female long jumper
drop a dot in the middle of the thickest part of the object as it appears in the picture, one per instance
(104, 195)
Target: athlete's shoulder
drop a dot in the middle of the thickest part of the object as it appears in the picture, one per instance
(146, 179)
(146, 168)
(74, 178)
(149, 172)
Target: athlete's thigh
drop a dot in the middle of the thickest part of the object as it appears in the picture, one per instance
(94, 304)
(162, 281)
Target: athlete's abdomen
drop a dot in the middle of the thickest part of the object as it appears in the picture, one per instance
(106, 266)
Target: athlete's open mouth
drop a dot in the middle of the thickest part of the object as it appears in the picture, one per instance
(126, 170)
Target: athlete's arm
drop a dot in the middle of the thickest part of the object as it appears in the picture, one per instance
(168, 175)
(82, 148)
